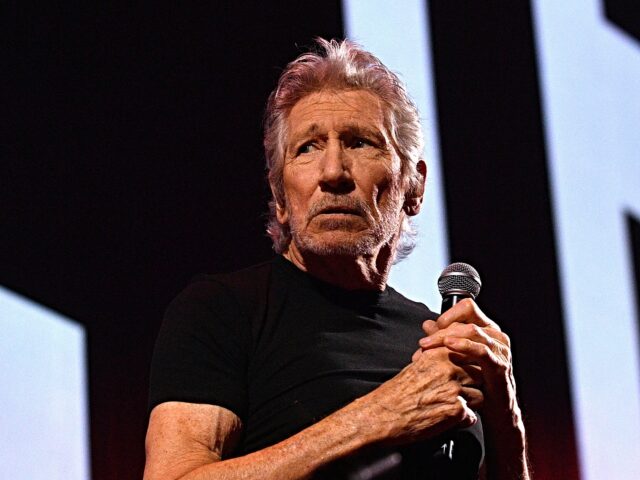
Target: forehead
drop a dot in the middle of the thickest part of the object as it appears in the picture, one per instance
(335, 109)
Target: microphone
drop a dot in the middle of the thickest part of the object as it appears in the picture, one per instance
(458, 281)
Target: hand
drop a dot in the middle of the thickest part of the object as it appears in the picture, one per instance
(431, 395)
(466, 330)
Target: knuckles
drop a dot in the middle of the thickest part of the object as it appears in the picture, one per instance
(457, 410)
(468, 304)
(473, 330)
(469, 308)
(486, 352)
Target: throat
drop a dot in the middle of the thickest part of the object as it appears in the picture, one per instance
(344, 271)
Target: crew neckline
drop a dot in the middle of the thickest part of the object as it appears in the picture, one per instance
(358, 297)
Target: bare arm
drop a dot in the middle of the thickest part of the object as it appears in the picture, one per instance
(190, 442)
(191, 455)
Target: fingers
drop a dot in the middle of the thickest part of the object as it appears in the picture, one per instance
(430, 327)
(473, 396)
(485, 347)
(464, 381)
(416, 355)
(464, 411)
(487, 335)
(472, 376)
(485, 356)
(473, 339)
(465, 311)
(448, 389)
(459, 368)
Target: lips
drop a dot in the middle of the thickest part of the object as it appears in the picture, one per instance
(338, 206)
(339, 210)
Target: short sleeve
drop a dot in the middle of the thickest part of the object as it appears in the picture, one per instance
(200, 354)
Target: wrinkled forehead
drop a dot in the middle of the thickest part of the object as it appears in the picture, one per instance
(347, 109)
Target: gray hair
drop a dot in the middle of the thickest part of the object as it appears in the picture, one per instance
(341, 65)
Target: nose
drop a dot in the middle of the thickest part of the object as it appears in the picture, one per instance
(336, 169)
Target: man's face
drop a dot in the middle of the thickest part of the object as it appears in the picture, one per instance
(342, 183)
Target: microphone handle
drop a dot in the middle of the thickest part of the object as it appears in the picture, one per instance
(451, 299)
(444, 455)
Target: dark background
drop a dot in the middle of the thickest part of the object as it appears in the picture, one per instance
(132, 160)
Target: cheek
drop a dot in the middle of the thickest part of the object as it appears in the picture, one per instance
(388, 199)
(297, 191)
(384, 184)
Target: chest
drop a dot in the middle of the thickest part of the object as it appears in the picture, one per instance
(311, 357)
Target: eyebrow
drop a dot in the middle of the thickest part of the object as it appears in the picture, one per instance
(311, 131)
(351, 128)
(355, 129)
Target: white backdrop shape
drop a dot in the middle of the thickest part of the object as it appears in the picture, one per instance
(590, 77)
(43, 395)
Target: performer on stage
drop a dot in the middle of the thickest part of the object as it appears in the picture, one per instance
(309, 365)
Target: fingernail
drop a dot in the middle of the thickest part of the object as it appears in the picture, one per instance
(424, 341)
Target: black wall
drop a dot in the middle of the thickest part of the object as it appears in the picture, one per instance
(131, 161)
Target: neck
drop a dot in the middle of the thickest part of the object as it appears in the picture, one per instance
(366, 272)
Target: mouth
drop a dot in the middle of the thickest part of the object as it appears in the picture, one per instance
(339, 211)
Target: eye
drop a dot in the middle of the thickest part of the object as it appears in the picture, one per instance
(306, 148)
(361, 143)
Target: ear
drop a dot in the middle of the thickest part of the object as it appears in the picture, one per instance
(281, 212)
(413, 198)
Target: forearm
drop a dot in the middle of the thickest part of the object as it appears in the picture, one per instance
(506, 451)
(509, 463)
(298, 457)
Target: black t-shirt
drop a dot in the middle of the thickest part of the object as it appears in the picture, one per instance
(280, 348)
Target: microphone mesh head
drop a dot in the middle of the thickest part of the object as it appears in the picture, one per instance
(459, 278)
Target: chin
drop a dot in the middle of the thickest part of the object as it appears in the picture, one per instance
(334, 243)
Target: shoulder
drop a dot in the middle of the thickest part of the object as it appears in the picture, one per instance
(223, 305)
(245, 276)
(232, 286)
(205, 338)
(402, 303)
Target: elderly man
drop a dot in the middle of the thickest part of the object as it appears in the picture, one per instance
(292, 367)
